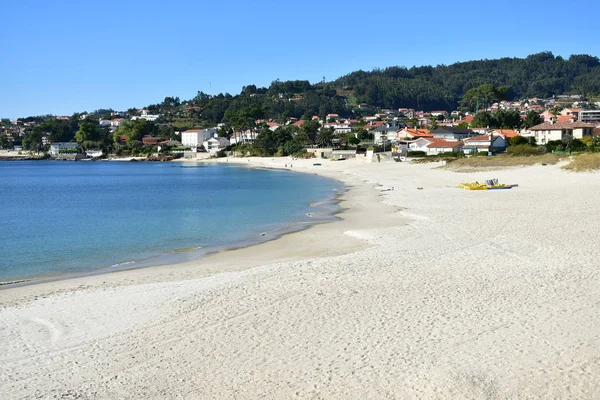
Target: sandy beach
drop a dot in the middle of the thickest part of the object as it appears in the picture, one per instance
(415, 293)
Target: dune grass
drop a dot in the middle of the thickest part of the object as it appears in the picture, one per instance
(475, 164)
(584, 163)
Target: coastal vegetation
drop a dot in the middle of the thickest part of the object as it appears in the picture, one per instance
(474, 164)
(584, 163)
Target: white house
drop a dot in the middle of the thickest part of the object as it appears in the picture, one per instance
(447, 132)
(485, 143)
(247, 136)
(104, 122)
(116, 121)
(63, 147)
(548, 131)
(386, 130)
(339, 127)
(413, 133)
(150, 117)
(433, 146)
(214, 144)
(194, 138)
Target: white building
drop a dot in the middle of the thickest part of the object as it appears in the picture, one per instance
(484, 144)
(150, 117)
(338, 128)
(549, 131)
(63, 147)
(589, 115)
(247, 136)
(194, 138)
(104, 122)
(215, 144)
(434, 146)
(116, 121)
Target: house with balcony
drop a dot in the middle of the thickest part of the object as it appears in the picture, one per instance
(386, 131)
(63, 148)
(215, 144)
(193, 138)
(549, 131)
(485, 144)
(435, 146)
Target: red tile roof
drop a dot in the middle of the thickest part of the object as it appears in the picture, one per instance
(442, 143)
(549, 126)
(481, 138)
(565, 118)
(509, 133)
(417, 133)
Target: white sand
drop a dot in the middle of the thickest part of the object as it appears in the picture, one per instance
(433, 293)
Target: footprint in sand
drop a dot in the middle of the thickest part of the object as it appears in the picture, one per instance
(53, 331)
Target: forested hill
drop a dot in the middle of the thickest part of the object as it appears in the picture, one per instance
(441, 87)
(424, 88)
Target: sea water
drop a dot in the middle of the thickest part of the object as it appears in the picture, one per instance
(65, 218)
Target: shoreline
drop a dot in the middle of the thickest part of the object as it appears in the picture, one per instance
(199, 253)
(223, 259)
(420, 291)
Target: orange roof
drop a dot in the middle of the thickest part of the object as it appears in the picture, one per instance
(480, 138)
(468, 119)
(424, 133)
(299, 123)
(509, 133)
(565, 118)
(373, 125)
(442, 143)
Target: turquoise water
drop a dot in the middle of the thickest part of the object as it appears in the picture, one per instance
(60, 218)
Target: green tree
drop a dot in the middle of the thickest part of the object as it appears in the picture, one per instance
(482, 119)
(531, 119)
(88, 131)
(311, 130)
(483, 95)
(325, 136)
(33, 140)
(4, 142)
(225, 131)
(517, 140)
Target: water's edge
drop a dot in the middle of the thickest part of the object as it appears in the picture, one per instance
(326, 211)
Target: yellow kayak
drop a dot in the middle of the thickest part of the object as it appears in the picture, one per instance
(481, 186)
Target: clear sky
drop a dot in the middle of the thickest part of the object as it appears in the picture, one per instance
(63, 56)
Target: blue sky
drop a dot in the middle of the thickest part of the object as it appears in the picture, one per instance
(64, 56)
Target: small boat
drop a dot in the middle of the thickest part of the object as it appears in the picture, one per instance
(482, 186)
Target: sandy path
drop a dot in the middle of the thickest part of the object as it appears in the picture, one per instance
(479, 295)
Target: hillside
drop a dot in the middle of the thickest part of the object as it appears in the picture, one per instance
(428, 88)
(424, 88)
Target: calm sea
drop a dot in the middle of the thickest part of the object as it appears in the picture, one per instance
(61, 218)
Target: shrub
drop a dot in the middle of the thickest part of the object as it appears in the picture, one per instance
(303, 154)
(416, 153)
(517, 140)
(554, 145)
(451, 154)
(523, 150)
(584, 162)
